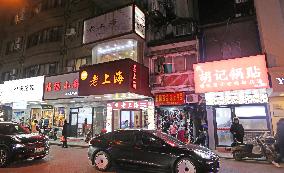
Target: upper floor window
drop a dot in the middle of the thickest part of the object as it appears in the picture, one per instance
(19, 17)
(41, 69)
(14, 45)
(173, 63)
(75, 64)
(10, 75)
(115, 50)
(45, 36)
(48, 4)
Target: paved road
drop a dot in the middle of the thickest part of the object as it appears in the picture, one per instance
(74, 160)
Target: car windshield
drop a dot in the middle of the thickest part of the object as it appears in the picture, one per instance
(12, 129)
(168, 139)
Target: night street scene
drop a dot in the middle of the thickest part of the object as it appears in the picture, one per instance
(137, 86)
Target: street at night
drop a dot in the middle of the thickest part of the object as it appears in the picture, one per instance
(74, 160)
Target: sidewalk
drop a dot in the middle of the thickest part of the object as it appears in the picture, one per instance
(72, 142)
(225, 155)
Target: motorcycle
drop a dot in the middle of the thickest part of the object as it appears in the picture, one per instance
(261, 147)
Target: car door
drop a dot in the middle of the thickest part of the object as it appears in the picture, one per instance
(151, 152)
(122, 147)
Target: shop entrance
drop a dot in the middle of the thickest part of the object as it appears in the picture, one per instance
(73, 121)
(223, 124)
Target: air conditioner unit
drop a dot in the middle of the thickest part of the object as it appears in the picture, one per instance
(70, 32)
(191, 98)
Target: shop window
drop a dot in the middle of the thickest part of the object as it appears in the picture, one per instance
(252, 117)
(10, 75)
(115, 50)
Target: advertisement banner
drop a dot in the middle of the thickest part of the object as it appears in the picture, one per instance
(121, 76)
(29, 89)
(61, 86)
(233, 74)
(277, 80)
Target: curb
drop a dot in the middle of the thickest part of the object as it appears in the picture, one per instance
(70, 145)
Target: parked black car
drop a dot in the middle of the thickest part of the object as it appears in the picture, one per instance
(152, 150)
(17, 143)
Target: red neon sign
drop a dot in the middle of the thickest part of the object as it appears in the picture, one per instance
(234, 74)
(170, 98)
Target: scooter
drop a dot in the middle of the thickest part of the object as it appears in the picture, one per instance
(261, 147)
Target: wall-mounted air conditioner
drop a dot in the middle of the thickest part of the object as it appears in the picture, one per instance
(191, 98)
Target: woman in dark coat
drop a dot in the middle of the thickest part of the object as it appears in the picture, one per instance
(64, 134)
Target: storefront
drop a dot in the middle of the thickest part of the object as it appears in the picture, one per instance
(63, 103)
(124, 85)
(234, 88)
(24, 96)
(180, 110)
(276, 99)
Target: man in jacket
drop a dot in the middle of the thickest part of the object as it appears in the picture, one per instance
(237, 130)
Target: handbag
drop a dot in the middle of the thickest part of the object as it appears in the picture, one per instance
(62, 139)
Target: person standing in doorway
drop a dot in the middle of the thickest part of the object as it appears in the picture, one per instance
(64, 134)
(237, 130)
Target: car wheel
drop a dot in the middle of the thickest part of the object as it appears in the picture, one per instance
(237, 156)
(4, 157)
(102, 161)
(185, 165)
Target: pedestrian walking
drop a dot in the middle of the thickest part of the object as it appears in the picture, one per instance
(280, 138)
(237, 130)
(64, 135)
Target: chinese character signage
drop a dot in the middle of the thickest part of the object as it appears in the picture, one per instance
(116, 23)
(61, 86)
(129, 105)
(234, 74)
(177, 98)
(237, 97)
(121, 76)
(29, 89)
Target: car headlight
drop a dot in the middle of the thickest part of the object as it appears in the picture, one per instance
(202, 154)
(18, 146)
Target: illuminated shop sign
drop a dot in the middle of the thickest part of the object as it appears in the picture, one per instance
(129, 105)
(277, 80)
(237, 97)
(61, 86)
(29, 89)
(233, 74)
(177, 98)
(121, 76)
(116, 23)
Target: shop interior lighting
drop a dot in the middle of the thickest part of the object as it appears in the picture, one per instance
(72, 101)
(98, 97)
(115, 48)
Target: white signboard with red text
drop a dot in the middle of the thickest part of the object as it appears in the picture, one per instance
(233, 74)
(29, 89)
